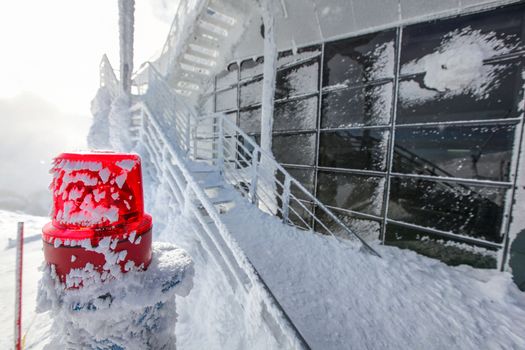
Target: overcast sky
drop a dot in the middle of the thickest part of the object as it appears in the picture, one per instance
(49, 74)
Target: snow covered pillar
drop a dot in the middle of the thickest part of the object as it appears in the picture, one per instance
(126, 23)
(270, 64)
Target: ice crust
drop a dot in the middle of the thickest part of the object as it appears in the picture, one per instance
(115, 310)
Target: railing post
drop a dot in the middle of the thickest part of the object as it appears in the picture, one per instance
(220, 143)
(194, 136)
(286, 197)
(188, 133)
(255, 173)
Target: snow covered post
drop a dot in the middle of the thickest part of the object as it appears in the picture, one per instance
(269, 73)
(107, 286)
(18, 285)
(266, 168)
(126, 24)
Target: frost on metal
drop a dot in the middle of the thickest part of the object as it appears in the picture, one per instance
(81, 207)
(456, 68)
(115, 310)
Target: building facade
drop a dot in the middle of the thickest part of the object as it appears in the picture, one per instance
(404, 117)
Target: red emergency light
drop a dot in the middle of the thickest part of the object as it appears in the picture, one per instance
(97, 200)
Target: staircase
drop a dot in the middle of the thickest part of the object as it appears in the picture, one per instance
(212, 28)
(207, 161)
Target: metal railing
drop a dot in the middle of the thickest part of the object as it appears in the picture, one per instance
(218, 141)
(169, 161)
(261, 179)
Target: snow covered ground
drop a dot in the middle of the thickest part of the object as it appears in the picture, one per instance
(337, 297)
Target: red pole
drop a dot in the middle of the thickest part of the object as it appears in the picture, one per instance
(18, 284)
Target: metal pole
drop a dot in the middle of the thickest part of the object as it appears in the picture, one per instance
(18, 286)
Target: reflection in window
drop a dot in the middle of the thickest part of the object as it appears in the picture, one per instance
(348, 191)
(250, 68)
(354, 149)
(362, 59)
(250, 120)
(463, 209)
(300, 214)
(366, 229)
(481, 152)
(296, 115)
(451, 251)
(228, 77)
(294, 149)
(305, 176)
(297, 80)
(251, 93)
(226, 100)
(368, 105)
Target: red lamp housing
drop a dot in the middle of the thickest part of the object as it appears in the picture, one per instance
(97, 199)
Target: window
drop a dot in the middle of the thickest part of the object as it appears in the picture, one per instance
(409, 135)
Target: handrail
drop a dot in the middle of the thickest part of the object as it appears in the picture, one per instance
(229, 133)
(185, 123)
(169, 161)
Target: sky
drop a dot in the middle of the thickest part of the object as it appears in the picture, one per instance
(49, 75)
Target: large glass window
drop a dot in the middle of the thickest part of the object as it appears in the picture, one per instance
(411, 136)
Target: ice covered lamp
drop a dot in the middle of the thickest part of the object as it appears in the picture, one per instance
(97, 202)
(106, 285)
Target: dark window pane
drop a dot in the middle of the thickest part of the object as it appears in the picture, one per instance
(300, 214)
(296, 115)
(228, 77)
(297, 80)
(366, 229)
(251, 93)
(468, 210)
(294, 149)
(226, 100)
(251, 68)
(348, 191)
(481, 152)
(356, 60)
(450, 251)
(305, 177)
(250, 120)
(496, 95)
(369, 105)
(354, 149)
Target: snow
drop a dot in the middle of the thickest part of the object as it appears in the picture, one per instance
(128, 310)
(456, 67)
(337, 296)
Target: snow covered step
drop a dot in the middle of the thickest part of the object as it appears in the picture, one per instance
(216, 16)
(195, 59)
(193, 68)
(213, 28)
(204, 50)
